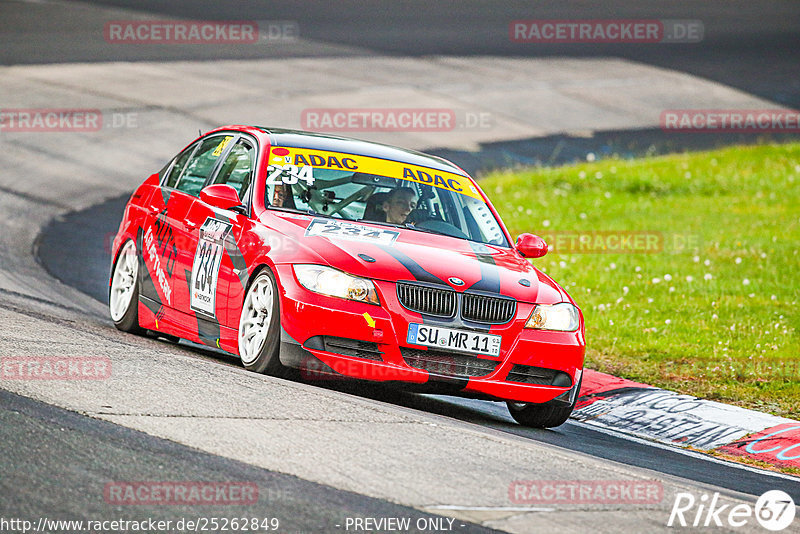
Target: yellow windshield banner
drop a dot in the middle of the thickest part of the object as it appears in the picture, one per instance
(300, 157)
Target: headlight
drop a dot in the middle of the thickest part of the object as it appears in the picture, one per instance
(335, 283)
(563, 316)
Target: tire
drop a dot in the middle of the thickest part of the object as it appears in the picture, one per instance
(260, 327)
(123, 292)
(547, 415)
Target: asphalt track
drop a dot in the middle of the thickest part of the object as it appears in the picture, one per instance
(58, 476)
(57, 461)
(80, 234)
(753, 46)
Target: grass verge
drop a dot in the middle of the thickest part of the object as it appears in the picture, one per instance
(703, 299)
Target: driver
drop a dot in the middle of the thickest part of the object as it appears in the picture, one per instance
(400, 204)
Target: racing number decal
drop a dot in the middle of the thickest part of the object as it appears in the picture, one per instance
(352, 232)
(289, 174)
(207, 261)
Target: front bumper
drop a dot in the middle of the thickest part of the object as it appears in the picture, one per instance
(327, 337)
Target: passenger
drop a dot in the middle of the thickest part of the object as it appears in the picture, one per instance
(279, 195)
(401, 202)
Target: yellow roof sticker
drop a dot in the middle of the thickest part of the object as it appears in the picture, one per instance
(394, 169)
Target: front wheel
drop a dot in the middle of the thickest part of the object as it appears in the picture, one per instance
(123, 295)
(259, 327)
(547, 415)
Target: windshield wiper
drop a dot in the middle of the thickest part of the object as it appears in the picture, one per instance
(411, 226)
(408, 225)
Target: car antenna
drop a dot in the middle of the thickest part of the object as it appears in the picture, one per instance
(199, 132)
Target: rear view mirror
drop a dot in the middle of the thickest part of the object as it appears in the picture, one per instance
(221, 196)
(375, 180)
(531, 246)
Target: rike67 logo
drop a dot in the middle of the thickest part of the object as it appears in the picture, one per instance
(774, 510)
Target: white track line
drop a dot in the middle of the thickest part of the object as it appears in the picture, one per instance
(488, 508)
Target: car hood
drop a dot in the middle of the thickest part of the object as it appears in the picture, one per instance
(417, 256)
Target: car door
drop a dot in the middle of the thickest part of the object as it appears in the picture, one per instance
(218, 266)
(180, 191)
(157, 239)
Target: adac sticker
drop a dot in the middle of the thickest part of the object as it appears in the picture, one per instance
(300, 157)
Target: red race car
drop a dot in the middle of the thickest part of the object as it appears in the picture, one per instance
(341, 257)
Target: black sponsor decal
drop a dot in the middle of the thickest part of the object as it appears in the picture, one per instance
(166, 242)
(147, 287)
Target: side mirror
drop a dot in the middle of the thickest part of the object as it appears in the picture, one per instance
(531, 246)
(221, 196)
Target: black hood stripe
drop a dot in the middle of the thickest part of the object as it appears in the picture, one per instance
(490, 273)
(414, 268)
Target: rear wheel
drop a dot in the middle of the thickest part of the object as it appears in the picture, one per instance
(123, 295)
(259, 327)
(547, 415)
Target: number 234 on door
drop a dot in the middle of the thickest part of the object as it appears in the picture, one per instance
(207, 261)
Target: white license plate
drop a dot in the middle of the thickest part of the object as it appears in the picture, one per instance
(457, 340)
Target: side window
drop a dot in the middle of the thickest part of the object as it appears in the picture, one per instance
(202, 163)
(177, 169)
(237, 170)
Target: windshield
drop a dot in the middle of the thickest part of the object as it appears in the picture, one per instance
(359, 188)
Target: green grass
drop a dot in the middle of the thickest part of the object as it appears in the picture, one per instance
(717, 319)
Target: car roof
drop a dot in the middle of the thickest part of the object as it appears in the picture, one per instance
(316, 141)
